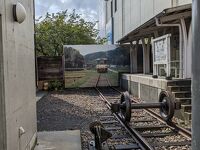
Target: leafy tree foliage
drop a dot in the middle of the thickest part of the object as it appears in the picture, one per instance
(63, 28)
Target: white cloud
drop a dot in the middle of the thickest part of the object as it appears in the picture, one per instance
(88, 8)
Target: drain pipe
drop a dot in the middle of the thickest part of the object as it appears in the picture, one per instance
(195, 75)
(180, 43)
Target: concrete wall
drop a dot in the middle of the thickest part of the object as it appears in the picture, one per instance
(18, 70)
(146, 92)
(117, 21)
(144, 87)
(133, 13)
(183, 2)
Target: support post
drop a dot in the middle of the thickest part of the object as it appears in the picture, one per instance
(185, 45)
(133, 57)
(195, 75)
(146, 55)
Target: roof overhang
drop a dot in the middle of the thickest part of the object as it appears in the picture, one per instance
(170, 15)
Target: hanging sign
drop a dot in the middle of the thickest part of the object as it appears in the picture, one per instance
(161, 54)
(161, 49)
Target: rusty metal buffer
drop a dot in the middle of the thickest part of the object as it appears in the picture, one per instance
(100, 135)
(166, 104)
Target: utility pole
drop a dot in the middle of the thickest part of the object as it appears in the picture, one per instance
(195, 75)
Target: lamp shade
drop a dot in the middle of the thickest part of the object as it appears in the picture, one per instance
(19, 12)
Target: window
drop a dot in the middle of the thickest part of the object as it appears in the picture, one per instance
(115, 5)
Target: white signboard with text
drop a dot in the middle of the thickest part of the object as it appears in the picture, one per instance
(161, 53)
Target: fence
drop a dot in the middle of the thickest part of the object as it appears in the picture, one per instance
(50, 68)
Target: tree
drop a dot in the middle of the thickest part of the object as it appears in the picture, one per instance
(73, 58)
(63, 28)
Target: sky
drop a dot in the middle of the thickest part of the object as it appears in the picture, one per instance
(88, 8)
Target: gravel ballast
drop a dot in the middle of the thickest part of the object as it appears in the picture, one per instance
(71, 109)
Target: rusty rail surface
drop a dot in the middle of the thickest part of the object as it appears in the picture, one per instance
(180, 129)
(137, 136)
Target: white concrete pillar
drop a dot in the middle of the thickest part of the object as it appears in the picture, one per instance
(188, 55)
(135, 64)
(146, 56)
(187, 52)
(133, 57)
(185, 46)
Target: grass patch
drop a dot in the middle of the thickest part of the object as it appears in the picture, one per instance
(75, 79)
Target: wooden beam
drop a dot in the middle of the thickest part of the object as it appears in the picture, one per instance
(176, 16)
(150, 30)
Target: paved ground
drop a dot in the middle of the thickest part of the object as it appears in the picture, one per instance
(59, 140)
(40, 94)
(72, 109)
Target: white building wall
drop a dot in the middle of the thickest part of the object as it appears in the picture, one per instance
(108, 11)
(118, 21)
(137, 12)
(18, 68)
(126, 16)
(2, 102)
(102, 18)
(160, 5)
(183, 2)
(147, 10)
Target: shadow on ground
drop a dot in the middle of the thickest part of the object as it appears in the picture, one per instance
(68, 110)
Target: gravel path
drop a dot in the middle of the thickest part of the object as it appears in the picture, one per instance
(74, 109)
(70, 110)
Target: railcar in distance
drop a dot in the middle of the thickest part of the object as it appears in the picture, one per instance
(102, 66)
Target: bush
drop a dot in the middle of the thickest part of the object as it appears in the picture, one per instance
(56, 85)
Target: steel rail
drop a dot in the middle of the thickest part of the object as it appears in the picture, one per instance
(133, 133)
(171, 125)
(98, 80)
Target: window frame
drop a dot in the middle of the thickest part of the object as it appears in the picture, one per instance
(115, 5)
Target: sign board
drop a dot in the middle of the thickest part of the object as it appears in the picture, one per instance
(161, 49)
(161, 53)
(95, 65)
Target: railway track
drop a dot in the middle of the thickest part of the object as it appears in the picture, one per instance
(146, 129)
(102, 80)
